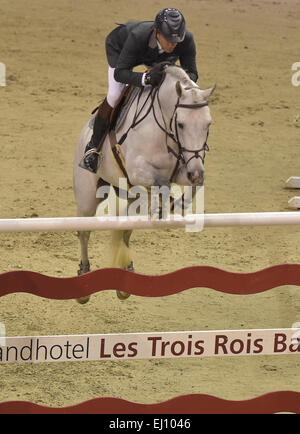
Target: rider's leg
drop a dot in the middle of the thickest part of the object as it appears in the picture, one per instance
(115, 88)
(101, 124)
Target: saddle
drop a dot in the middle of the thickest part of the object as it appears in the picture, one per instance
(116, 119)
(118, 116)
(124, 102)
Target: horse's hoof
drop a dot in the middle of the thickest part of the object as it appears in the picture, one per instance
(83, 300)
(122, 295)
(83, 268)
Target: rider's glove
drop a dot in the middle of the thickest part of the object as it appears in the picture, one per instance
(154, 77)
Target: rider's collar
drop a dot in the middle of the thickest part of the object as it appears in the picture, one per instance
(160, 49)
(153, 43)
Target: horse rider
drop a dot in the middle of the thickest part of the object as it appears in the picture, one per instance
(140, 43)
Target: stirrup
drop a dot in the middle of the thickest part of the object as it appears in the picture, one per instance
(82, 163)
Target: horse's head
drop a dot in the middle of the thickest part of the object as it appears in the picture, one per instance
(189, 120)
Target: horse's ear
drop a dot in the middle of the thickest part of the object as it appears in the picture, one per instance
(208, 92)
(179, 89)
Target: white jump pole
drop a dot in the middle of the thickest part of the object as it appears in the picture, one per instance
(126, 223)
(2, 74)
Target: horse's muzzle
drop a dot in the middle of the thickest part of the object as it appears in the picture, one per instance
(196, 178)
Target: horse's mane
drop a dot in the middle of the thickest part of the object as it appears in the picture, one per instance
(177, 72)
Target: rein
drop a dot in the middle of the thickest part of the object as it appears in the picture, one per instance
(137, 121)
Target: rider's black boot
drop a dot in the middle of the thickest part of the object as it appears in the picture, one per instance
(101, 124)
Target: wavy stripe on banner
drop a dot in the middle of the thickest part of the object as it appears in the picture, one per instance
(270, 403)
(63, 288)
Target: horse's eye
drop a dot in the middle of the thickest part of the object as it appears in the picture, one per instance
(180, 125)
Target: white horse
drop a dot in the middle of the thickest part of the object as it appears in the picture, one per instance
(165, 132)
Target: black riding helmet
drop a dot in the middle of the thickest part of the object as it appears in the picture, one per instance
(171, 24)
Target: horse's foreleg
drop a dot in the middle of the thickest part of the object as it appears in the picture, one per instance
(121, 255)
(84, 266)
(126, 238)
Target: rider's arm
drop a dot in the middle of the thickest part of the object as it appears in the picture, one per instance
(128, 59)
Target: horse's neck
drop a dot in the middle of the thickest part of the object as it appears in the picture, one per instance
(167, 99)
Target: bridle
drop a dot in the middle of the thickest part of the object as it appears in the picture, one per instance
(169, 132)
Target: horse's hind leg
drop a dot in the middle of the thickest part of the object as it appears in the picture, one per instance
(84, 236)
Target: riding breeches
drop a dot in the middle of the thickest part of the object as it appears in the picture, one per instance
(115, 88)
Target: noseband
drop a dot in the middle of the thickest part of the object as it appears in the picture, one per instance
(175, 137)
